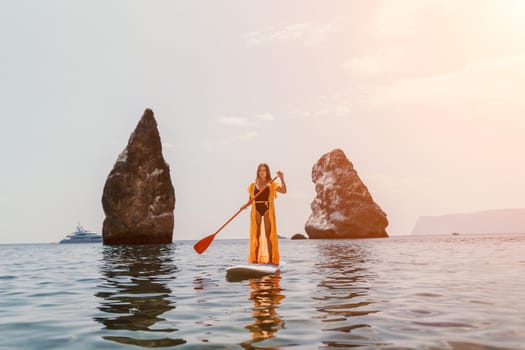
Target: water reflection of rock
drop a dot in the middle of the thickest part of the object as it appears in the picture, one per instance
(135, 294)
(266, 296)
(344, 300)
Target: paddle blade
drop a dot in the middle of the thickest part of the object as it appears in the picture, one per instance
(204, 243)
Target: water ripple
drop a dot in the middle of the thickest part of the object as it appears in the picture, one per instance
(397, 293)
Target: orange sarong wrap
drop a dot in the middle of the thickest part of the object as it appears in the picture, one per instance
(263, 249)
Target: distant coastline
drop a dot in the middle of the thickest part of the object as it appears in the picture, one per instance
(497, 221)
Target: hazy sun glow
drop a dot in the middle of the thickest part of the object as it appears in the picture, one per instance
(424, 96)
(517, 9)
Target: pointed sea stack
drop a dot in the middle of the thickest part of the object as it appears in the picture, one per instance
(343, 207)
(138, 197)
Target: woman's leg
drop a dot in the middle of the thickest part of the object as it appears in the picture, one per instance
(258, 220)
(268, 230)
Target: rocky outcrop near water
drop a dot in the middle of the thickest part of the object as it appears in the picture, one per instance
(342, 207)
(488, 221)
(138, 197)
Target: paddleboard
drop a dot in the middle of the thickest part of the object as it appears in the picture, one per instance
(240, 272)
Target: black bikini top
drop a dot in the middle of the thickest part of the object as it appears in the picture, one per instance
(264, 195)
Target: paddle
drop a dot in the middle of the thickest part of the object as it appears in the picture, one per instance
(204, 243)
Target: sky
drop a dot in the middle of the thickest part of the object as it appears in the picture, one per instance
(425, 97)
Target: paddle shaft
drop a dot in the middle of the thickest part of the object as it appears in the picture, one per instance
(203, 244)
(245, 206)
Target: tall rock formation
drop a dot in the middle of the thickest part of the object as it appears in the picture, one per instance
(138, 197)
(343, 207)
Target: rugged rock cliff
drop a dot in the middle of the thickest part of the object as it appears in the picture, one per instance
(343, 207)
(138, 197)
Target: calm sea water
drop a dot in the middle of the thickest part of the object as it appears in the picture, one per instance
(454, 292)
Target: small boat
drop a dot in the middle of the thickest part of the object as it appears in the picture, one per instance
(81, 235)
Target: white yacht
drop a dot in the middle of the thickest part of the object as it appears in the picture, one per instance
(81, 235)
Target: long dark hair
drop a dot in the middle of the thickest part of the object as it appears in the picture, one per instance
(268, 176)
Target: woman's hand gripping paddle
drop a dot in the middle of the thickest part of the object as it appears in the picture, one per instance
(204, 243)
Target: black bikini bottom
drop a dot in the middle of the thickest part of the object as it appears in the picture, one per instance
(261, 207)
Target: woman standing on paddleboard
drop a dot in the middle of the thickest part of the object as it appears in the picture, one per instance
(264, 247)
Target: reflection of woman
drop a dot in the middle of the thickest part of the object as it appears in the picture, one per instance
(264, 247)
(266, 296)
